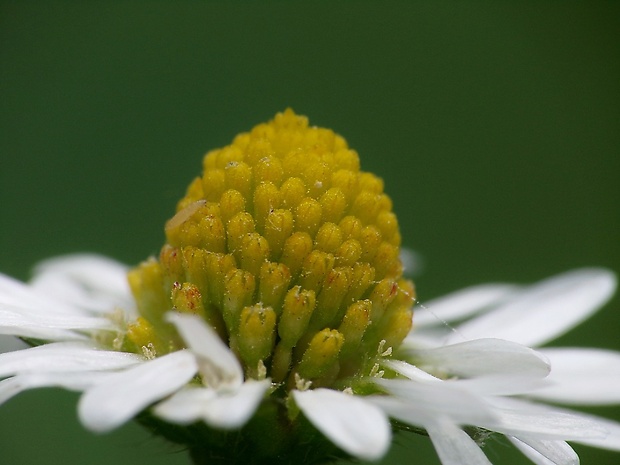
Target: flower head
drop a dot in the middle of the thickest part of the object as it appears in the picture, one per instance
(289, 252)
(276, 326)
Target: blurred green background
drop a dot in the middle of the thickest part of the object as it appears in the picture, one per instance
(496, 126)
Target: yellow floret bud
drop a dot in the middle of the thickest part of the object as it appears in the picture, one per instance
(354, 324)
(298, 307)
(256, 334)
(321, 354)
(186, 298)
(278, 228)
(308, 216)
(315, 268)
(296, 249)
(142, 337)
(333, 291)
(293, 190)
(274, 283)
(289, 251)
(328, 238)
(239, 288)
(231, 203)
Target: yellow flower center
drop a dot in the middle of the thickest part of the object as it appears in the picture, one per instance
(289, 251)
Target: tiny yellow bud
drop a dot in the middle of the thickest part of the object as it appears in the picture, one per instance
(278, 228)
(238, 177)
(296, 249)
(332, 293)
(273, 284)
(388, 225)
(354, 324)
(254, 252)
(369, 239)
(144, 338)
(371, 183)
(147, 286)
(348, 253)
(308, 216)
(186, 298)
(231, 203)
(328, 238)
(382, 295)
(333, 203)
(347, 159)
(321, 354)
(268, 169)
(293, 190)
(239, 226)
(182, 227)
(384, 259)
(395, 326)
(207, 270)
(315, 268)
(363, 276)
(256, 334)
(296, 312)
(266, 200)
(171, 261)
(239, 287)
(213, 184)
(347, 182)
(351, 227)
(259, 146)
(316, 175)
(227, 155)
(366, 206)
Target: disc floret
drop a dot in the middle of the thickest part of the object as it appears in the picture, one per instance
(289, 252)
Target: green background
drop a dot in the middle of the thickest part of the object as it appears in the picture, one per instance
(496, 126)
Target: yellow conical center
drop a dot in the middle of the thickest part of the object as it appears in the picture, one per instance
(289, 251)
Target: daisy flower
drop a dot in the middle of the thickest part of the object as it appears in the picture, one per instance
(276, 326)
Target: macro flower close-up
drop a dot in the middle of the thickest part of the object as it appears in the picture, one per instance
(278, 324)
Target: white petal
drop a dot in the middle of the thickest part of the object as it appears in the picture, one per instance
(543, 452)
(15, 294)
(14, 316)
(454, 446)
(42, 333)
(485, 385)
(408, 370)
(582, 376)
(76, 381)
(418, 403)
(233, 409)
(520, 418)
(356, 426)
(610, 439)
(460, 304)
(185, 406)
(481, 357)
(125, 394)
(63, 357)
(225, 410)
(218, 364)
(96, 281)
(543, 311)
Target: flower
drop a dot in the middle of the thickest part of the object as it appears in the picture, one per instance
(277, 317)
